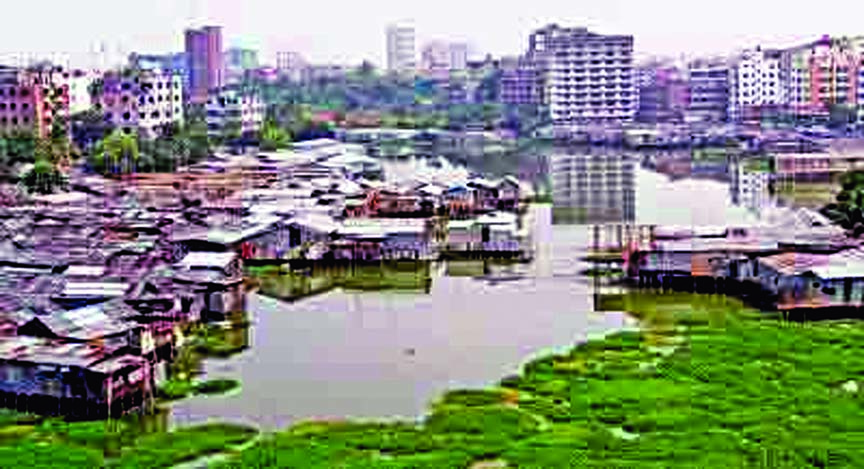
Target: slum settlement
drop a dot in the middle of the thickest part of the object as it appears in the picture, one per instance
(100, 285)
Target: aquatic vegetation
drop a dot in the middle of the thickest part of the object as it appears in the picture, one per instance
(216, 386)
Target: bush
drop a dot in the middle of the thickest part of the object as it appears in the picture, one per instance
(216, 386)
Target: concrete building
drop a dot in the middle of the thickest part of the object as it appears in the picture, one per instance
(663, 93)
(585, 77)
(205, 62)
(435, 60)
(401, 50)
(590, 186)
(33, 99)
(142, 100)
(458, 56)
(757, 84)
(825, 73)
(234, 106)
(518, 81)
(239, 61)
(709, 90)
(290, 64)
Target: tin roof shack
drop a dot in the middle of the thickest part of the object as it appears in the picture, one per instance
(697, 262)
(257, 238)
(309, 228)
(493, 232)
(215, 279)
(355, 165)
(807, 281)
(79, 293)
(386, 238)
(485, 194)
(508, 193)
(51, 379)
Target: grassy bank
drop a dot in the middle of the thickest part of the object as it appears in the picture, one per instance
(707, 383)
(55, 443)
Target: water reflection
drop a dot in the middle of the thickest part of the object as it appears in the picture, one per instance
(378, 354)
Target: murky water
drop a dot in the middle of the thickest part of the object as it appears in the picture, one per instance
(381, 355)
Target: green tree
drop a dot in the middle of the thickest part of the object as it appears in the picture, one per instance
(848, 210)
(118, 153)
(43, 178)
(273, 137)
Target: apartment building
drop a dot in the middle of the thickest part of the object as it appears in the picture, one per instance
(238, 62)
(33, 99)
(757, 83)
(825, 73)
(141, 100)
(593, 186)
(235, 106)
(584, 76)
(708, 81)
(205, 62)
(435, 60)
(663, 93)
(290, 64)
(401, 52)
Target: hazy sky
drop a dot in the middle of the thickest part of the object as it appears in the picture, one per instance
(349, 31)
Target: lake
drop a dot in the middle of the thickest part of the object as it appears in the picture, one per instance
(381, 355)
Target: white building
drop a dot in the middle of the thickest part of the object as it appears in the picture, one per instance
(142, 100)
(593, 187)
(587, 76)
(756, 81)
(401, 52)
(458, 56)
(750, 180)
(232, 105)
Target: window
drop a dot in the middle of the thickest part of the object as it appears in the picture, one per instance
(126, 116)
(12, 106)
(25, 106)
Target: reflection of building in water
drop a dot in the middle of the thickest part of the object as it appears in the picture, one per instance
(749, 182)
(593, 187)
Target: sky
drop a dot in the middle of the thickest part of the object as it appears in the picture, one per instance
(344, 31)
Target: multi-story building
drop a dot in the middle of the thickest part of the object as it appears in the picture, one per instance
(323, 72)
(708, 81)
(823, 74)
(205, 62)
(290, 64)
(663, 93)
(518, 81)
(592, 186)
(749, 183)
(585, 77)
(33, 99)
(435, 60)
(237, 107)
(400, 49)
(757, 84)
(458, 55)
(238, 62)
(141, 100)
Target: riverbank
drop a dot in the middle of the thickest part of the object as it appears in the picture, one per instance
(707, 383)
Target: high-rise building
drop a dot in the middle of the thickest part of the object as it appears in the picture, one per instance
(458, 55)
(141, 100)
(757, 84)
(401, 49)
(583, 76)
(708, 80)
(593, 186)
(825, 73)
(435, 60)
(205, 62)
(239, 61)
(290, 64)
(234, 106)
(33, 99)
(663, 93)
(518, 81)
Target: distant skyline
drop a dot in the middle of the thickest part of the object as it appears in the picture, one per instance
(350, 31)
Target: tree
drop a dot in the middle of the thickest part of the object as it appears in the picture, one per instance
(118, 153)
(273, 137)
(848, 211)
(43, 178)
